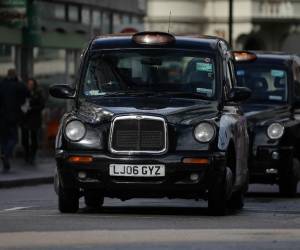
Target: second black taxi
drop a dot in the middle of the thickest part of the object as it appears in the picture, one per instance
(273, 114)
(154, 116)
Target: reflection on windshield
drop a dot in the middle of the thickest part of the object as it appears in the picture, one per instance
(151, 72)
(267, 83)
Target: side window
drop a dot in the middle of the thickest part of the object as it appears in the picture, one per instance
(297, 80)
(229, 77)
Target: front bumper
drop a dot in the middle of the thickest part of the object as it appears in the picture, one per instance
(176, 183)
(269, 162)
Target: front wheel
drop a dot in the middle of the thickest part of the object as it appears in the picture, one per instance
(288, 180)
(218, 193)
(236, 200)
(68, 200)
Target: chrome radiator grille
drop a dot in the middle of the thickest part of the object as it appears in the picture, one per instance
(138, 134)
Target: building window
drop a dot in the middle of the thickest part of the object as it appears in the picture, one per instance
(106, 28)
(126, 19)
(135, 19)
(118, 19)
(85, 16)
(73, 13)
(96, 18)
(60, 11)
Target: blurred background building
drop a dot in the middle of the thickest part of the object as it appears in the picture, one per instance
(258, 24)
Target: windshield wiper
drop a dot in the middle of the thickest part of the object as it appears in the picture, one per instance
(184, 95)
(129, 93)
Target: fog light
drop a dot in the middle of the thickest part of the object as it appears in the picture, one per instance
(275, 155)
(81, 175)
(194, 177)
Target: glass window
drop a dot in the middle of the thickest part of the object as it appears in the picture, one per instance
(267, 82)
(96, 18)
(118, 19)
(85, 16)
(106, 26)
(60, 11)
(135, 19)
(73, 13)
(126, 19)
(186, 74)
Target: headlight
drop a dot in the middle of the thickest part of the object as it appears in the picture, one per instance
(204, 132)
(75, 130)
(275, 130)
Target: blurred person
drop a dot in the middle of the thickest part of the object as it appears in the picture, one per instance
(32, 120)
(13, 94)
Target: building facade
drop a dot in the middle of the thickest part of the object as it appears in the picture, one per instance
(42, 37)
(258, 24)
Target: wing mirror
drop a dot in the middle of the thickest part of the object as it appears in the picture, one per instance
(62, 91)
(239, 94)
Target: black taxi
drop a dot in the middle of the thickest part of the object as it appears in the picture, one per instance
(273, 116)
(154, 116)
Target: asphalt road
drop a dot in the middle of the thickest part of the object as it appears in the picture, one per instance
(29, 219)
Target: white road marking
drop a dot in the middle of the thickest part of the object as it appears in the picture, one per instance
(15, 209)
(119, 237)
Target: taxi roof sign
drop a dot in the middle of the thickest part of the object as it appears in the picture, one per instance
(244, 56)
(153, 38)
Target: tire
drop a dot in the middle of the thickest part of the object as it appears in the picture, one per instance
(94, 199)
(236, 200)
(218, 194)
(288, 181)
(68, 200)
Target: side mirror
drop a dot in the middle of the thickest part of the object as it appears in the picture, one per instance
(62, 91)
(239, 94)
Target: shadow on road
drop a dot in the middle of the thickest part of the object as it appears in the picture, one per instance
(153, 210)
(269, 195)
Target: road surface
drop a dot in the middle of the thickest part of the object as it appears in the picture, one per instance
(29, 219)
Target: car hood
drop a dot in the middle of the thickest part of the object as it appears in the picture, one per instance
(175, 110)
(261, 113)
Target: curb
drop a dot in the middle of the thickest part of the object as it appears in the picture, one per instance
(26, 182)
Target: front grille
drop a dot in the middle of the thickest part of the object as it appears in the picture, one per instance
(138, 134)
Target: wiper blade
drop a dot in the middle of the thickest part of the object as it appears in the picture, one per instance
(129, 93)
(184, 95)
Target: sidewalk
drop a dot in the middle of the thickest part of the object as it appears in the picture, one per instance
(22, 174)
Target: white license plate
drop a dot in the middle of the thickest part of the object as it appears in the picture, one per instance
(137, 170)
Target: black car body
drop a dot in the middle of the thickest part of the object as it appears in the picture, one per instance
(139, 100)
(273, 116)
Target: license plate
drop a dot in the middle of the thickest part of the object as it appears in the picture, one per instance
(137, 170)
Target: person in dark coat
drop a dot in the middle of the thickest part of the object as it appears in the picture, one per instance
(32, 120)
(13, 94)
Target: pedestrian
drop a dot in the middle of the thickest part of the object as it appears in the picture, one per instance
(13, 93)
(32, 120)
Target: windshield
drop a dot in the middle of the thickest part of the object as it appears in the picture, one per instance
(151, 71)
(267, 82)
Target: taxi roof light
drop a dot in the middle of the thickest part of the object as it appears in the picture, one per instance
(244, 56)
(153, 38)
